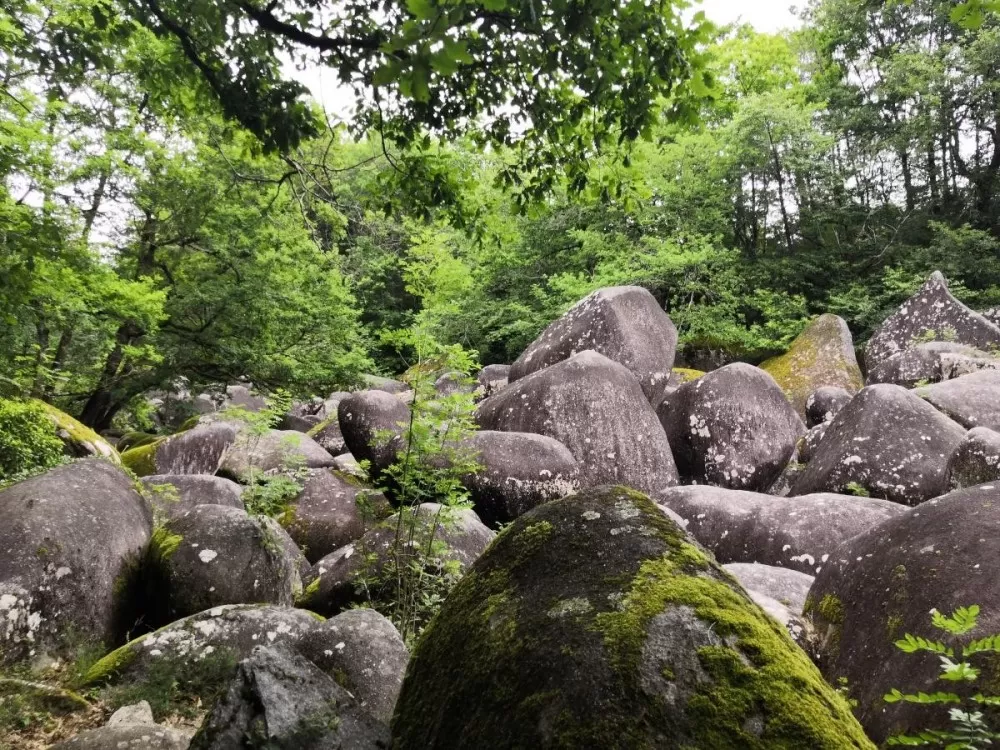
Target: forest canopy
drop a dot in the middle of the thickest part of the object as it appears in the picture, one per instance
(173, 205)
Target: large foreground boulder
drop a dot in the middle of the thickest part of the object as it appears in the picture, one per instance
(733, 428)
(595, 408)
(821, 356)
(216, 555)
(595, 622)
(884, 583)
(971, 400)
(70, 541)
(886, 442)
(930, 314)
(624, 323)
(372, 423)
(518, 470)
(450, 534)
(798, 533)
(365, 653)
(976, 460)
(281, 701)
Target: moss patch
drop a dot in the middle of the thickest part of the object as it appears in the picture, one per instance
(686, 374)
(80, 440)
(142, 460)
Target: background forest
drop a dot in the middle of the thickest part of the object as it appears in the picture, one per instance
(146, 236)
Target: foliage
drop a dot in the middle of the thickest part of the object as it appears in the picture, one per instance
(968, 729)
(409, 582)
(28, 441)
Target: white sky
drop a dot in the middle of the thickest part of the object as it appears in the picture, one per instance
(763, 15)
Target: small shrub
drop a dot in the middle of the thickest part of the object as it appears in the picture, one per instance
(968, 729)
(28, 441)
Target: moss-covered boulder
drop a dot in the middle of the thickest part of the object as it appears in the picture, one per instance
(79, 440)
(198, 450)
(624, 323)
(822, 355)
(70, 541)
(885, 583)
(595, 622)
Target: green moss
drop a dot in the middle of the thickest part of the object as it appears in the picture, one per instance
(112, 664)
(308, 593)
(189, 424)
(830, 609)
(686, 374)
(163, 543)
(318, 428)
(142, 459)
(81, 439)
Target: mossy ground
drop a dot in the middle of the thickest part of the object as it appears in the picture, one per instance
(542, 644)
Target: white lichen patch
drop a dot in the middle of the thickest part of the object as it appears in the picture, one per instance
(576, 606)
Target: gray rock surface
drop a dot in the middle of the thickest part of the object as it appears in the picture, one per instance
(70, 541)
(932, 313)
(325, 515)
(888, 442)
(492, 379)
(330, 583)
(884, 584)
(825, 403)
(366, 414)
(810, 442)
(976, 459)
(127, 737)
(971, 400)
(327, 433)
(930, 362)
(589, 624)
(732, 427)
(624, 323)
(173, 495)
(281, 701)
(518, 470)
(596, 409)
(241, 396)
(784, 585)
(273, 451)
(386, 385)
(798, 533)
(365, 653)
(215, 555)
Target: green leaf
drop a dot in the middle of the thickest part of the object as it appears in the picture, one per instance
(422, 9)
(961, 621)
(913, 643)
(958, 671)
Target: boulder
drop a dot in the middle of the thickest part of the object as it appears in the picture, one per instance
(280, 701)
(798, 533)
(971, 400)
(992, 315)
(810, 442)
(492, 379)
(884, 583)
(273, 451)
(173, 495)
(70, 540)
(331, 583)
(732, 427)
(594, 621)
(366, 414)
(346, 463)
(681, 375)
(825, 403)
(386, 385)
(976, 459)
(240, 396)
(451, 383)
(518, 470)
(215, 555)
(229, 633)
(328, 435)
(624, 323)
(782, 486)
(132, 736)
(596, 409)
(365, 653)
(931, 362)
(78, 440)
(202, 449)
(787, 586)
(886, 442)
(932, 314)
(821, 356)
(325, 516)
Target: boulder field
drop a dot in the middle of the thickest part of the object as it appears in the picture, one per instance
(643, 556)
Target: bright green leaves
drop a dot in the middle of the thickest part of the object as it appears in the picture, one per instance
(972, 14)
(960, 622)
